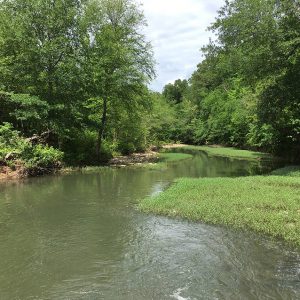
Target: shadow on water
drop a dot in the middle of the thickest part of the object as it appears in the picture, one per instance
(79, 236)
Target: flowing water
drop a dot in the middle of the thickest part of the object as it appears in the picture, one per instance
(80, 236)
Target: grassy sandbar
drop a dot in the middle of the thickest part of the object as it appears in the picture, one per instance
(267, 204)
(230, 152)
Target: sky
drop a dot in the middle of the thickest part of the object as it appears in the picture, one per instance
(177, 29)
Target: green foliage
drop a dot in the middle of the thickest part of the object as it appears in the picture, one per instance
(34, 159)
(287, 171)
(262, 136)
(39, 43)
(10, 141)
(174, 93)
(40, 159)
(162, 120)
(118, 65)
(80, 147)
(230, 152)
(130, 136)
(223, 116)
(269, 62)
(25, 112)
(79, 70)
(245, 92)
(186, 126)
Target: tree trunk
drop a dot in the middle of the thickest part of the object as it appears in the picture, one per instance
(101, 129)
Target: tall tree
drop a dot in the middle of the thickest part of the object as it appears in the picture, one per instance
(118, 58)
(251, 70)
(39, 52)
(175, 92)
(39, 42)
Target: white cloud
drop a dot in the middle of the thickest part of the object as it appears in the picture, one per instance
(177, 31)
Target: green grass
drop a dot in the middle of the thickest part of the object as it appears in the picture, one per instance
(266, 204)
(164, 159)
(230, 152)
(288, 171)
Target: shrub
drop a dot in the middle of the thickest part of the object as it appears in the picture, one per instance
(16, 150)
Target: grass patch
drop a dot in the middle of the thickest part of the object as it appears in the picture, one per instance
(266, 204)
(230, 152)
(293, 171)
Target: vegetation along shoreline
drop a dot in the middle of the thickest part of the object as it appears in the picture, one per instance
(16, 168)
(24, 157)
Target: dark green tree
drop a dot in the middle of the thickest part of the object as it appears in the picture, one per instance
(118, 60)
(174, 93)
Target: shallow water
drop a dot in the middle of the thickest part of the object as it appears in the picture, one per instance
(80, 236)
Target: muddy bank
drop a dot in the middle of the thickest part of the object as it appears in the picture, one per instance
(170, 146)
(20, 171)
(6, 173)
(134, 159)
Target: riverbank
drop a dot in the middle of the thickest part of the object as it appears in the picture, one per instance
(7, 173)
(152, 160)
(149, 159)
(218, 150)
(266, 204)
(21, 171)
(136, 159)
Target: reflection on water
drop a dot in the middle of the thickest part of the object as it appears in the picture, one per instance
(80, 237)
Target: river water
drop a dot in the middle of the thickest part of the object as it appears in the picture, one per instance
(80, 236)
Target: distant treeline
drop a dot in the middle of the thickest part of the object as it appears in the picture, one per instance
(246, 91)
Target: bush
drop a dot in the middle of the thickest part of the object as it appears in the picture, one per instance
(16, 151)
(80, 148)
(126, 148)
(40, 159)
(262, 137)
(27, 113)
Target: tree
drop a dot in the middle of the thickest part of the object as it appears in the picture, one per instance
(39, 44)
(39, 54)
(25, 112)
(175, 92)
(118, 59)
(246, 87)
(162, 120)
(86, 61)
